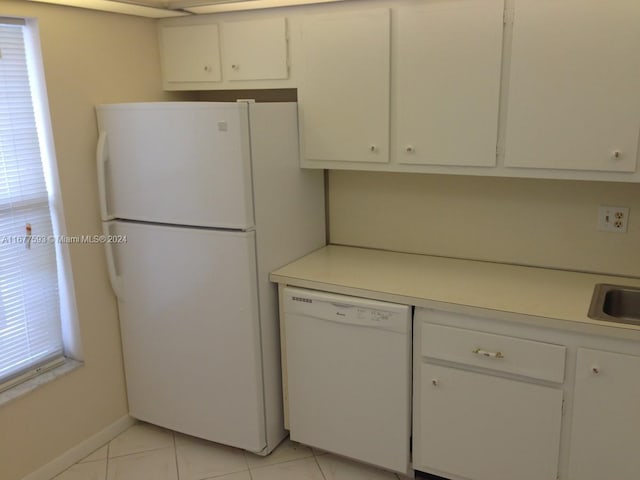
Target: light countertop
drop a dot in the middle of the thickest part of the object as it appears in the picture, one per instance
(554, 298)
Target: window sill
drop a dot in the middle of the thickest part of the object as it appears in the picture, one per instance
(24, 388)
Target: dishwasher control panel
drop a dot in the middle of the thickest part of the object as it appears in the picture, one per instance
(344, 309)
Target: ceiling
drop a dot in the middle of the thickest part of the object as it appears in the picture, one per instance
(176, 8)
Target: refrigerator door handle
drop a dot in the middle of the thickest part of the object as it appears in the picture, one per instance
(101, 160)
(114, 278)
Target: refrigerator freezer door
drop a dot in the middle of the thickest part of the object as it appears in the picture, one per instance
(183, 163)
(190, 331)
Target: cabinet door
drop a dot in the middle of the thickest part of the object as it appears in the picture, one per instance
(573, 92)
(447, 82)
(483, 427)
(344, 92)
(190, 53)
(255, 49)
(605, 431)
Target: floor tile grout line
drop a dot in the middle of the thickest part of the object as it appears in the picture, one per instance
(154, 449)
(279, 463)
(246, 461)
(222, 475)
(82, 462)
(319, 467)
(106, 470)
(175, 454)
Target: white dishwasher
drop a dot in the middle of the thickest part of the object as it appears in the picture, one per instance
(349, 376)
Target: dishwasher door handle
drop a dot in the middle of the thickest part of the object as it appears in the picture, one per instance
(342, 305)
(397, 325)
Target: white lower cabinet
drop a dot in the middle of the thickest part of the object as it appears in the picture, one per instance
(487, 428)
(503, 400)
(473, 417)
(605, 430)
(495, 397)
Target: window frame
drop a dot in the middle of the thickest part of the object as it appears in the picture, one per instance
(72, 349)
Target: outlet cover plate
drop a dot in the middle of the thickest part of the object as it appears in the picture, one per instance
(613, 219)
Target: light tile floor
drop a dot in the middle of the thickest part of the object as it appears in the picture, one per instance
(147, 452)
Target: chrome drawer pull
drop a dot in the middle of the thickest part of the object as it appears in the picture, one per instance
(479, 351)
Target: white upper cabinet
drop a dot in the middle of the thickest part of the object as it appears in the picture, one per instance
(447, 82)
(509, 88)
(255, 49)
(344, 89)
(574, 99)
(190, 53)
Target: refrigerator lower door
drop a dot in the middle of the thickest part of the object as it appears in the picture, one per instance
(190, 331)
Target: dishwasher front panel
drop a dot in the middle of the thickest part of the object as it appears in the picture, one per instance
(349, 376)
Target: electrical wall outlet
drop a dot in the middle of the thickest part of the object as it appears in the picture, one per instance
(613, 219)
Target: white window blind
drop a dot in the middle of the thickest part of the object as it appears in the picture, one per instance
(30, 323)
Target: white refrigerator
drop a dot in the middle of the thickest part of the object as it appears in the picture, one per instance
(201, 201)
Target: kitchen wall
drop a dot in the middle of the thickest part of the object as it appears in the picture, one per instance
(93, 57)
(89, 58)
(548, 223)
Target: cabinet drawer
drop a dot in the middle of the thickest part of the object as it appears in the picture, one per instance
(496, 352)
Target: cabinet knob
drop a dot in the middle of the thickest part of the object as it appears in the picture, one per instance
(235, 66)
(409, 149)
(207, 68)
(373, 148)
(595, 370)
(617, 154)
(435, 382)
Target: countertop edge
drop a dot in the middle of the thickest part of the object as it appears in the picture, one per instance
(578, 325)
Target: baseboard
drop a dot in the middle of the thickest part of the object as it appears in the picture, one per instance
(73, 455)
